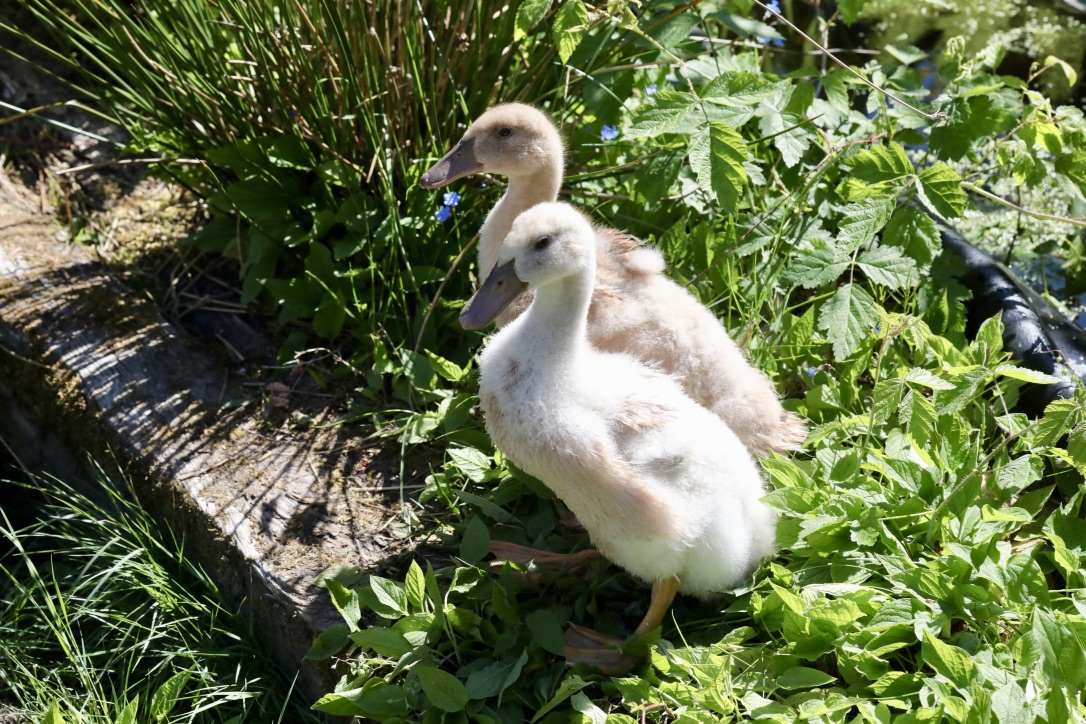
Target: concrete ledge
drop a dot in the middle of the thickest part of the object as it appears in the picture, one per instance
(88, 367)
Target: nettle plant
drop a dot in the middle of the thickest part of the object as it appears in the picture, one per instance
(931, 537)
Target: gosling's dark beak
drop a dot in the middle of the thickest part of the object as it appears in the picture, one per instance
(499, 290)
(458, 162)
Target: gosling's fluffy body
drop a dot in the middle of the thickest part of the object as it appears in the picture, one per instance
(663, 486)
(635, 308)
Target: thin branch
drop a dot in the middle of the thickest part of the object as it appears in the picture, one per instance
(931, 117)
(1081, 222)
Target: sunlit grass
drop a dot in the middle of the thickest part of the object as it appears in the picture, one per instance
(100, 604)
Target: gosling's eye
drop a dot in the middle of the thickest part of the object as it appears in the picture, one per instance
(542, 243)
(505, 132)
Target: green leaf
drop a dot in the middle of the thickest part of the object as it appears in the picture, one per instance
(887, 266)
(390, 598)
(584, 705)
(385, 641)
(862, 220)
(472, 462)
(790, 138)
(878, 164)
(667, 110)
(442, 688)
(940, 189)
(128, 714)
(569, 686)
(1073, 166)
(915, 233)
(821, 264)
(727, 152)
(346, 602)
(1025, 374)
(570, 23)
(950, 661)
(164, 700)
(446, 369)
(546, 630)
(415, 584)
(53, 715)
(850, 9)
(802, 677)
(328, 643)
(529, 14)
(476, 541)
(848, 317)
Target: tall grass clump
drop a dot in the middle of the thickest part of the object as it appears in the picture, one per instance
(306, 125)
(104, 618)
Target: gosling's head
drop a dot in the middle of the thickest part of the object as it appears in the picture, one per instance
(546, 243)
(511, 140)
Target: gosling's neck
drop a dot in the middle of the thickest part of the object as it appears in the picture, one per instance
(557, 320)
(522, 193)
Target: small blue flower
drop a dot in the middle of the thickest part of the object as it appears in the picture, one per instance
(609, 133)
(443, 214)
(774, 5)
(770, 41)
(651, 89)
(878, 328)
(811, 371)
(451, 199)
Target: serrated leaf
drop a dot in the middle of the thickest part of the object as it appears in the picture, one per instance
(444, 690)
(918, 414)
(790, 138)
(727, 152)
(667, 110)
(967, 384)
(814, 267)
(877, 164)
(1073, 166)
(744, 90)
(570, 23)
(529, 14)
(385, 641)
(886, 265)
(1025, 374)
(921, 376)
(940, 189)
(848, 317)
(1060, 416)
(165, 699)
(473, 463)
(915, 233)
(862, 220)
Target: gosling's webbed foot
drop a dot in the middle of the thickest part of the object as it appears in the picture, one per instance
(541, 564)
(608, 654)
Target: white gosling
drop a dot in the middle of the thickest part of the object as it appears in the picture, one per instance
(635, 307)
(664, 488)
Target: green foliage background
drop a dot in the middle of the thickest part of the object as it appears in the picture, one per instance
(931, 537)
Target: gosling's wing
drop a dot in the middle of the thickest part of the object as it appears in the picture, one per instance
(609, 494)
